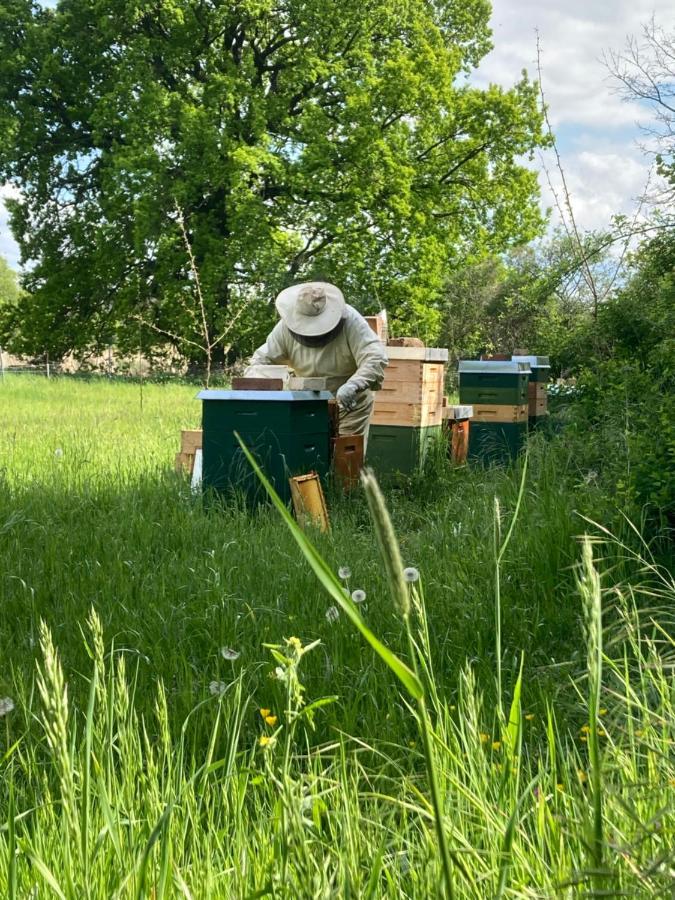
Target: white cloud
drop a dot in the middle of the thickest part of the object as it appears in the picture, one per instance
(598, 132)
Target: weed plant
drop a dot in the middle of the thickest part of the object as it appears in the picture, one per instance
(185, 711)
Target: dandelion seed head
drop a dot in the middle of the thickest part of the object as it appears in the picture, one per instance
(217, 688)
(332, 614)
(358, 596)
(344, 572)
(6, 706)
(411, 574)
(229, 654)
(58, 453)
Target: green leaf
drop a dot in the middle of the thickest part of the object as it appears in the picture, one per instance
(333, 587)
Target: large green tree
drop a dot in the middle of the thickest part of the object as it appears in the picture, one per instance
(292, 137)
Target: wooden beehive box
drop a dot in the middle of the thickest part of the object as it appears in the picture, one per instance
(412, 390)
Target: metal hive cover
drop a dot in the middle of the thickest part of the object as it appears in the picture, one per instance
(269, 396)
(495, 366)
(536, 362)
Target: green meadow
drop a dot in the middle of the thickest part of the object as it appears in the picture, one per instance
(187, 711)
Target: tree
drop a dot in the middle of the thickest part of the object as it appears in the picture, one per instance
(10, 292)
(298, 135)
(535, 297)
(645, 71)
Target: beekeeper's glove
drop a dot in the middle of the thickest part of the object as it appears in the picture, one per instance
(347, 395)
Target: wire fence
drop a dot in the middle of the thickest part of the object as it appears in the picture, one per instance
(135, 370)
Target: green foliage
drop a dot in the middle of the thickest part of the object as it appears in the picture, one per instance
(534, 298)
(291, 135)
(138, 760)
(625, 366)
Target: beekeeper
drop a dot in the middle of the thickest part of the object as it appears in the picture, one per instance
(319, 335)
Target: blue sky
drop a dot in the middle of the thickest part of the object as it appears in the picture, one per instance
(597, 133)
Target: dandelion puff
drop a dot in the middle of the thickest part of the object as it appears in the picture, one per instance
(229, 654)
(58, 453)
(344, 572)
(6, 706)
(358, 596)
(332, 614)
(411, 574)
(217, 688)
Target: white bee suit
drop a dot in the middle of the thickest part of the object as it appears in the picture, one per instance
(355, 354)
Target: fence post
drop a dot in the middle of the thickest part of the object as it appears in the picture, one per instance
(2, 366)
(47, 356)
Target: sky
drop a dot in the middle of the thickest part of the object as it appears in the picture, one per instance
(597, 133)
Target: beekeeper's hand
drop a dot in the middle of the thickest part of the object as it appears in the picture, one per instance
(347, 395)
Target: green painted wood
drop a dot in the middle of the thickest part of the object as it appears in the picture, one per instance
(496, 442)
(399, 449)
(514, 395)
(287, 437)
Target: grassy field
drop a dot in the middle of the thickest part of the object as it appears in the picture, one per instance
(156, 773)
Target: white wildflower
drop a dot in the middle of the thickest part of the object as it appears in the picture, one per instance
(280, 673)
(6, 706)
(411, 574)
(344, 572)
(358, 596)
(217, 688)
(229, 654)
(332, 614)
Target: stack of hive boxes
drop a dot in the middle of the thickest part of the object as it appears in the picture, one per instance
(537, 398)
(408, 412)
(287, 431)
(498, 392)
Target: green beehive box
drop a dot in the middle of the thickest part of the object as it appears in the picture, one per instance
(398, 449)
(496, 442)
(540, 367)
(493, 381)
(287, 432)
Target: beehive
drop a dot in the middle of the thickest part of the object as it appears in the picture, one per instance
(287, 432)
(412, 391)
(408, 410)
(498, 391)
(537, 398)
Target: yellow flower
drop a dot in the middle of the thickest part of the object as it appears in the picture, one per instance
(559, 787)
(583, 739)
(585, 729)
(264, 740)
(484, 738)
(271, 720)
(265, 713)
(602, 732)
(295, 643)
(583, 777)
(496, 745)
(529, 716)
(602, 712)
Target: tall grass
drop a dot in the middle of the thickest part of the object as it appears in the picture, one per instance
(137, 761)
